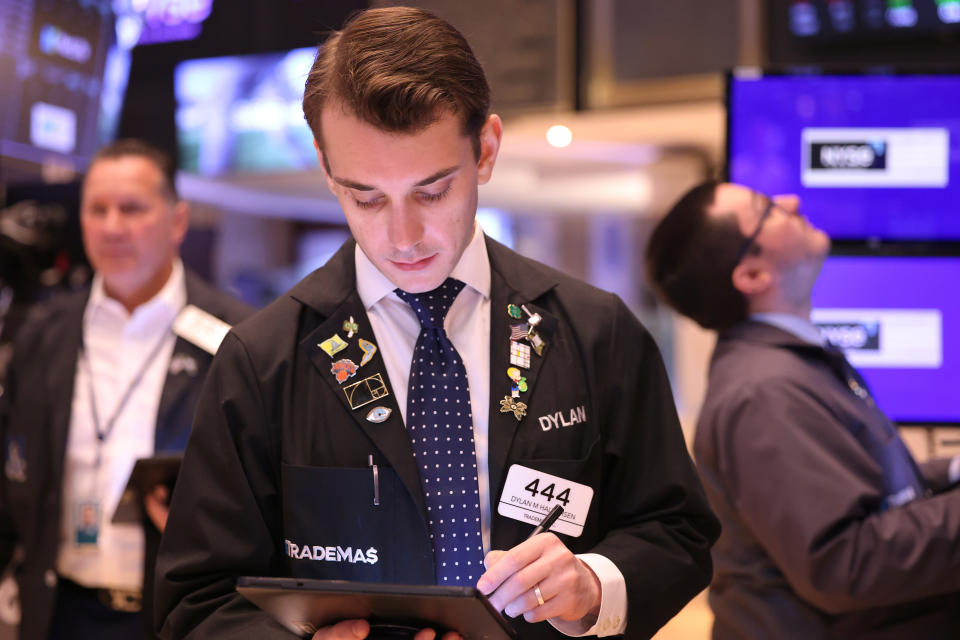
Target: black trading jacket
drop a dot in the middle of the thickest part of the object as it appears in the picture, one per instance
(278, 456)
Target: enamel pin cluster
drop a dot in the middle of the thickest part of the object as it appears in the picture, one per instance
(367, 390)
(520, 357)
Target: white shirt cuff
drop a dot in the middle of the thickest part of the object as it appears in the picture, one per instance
(612, 619)
(953, 471)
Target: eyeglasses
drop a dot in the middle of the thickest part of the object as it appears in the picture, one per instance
(749, 242)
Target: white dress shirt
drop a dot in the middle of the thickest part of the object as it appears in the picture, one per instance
(117, 344)
(467, 324)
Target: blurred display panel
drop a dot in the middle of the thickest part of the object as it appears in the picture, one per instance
(52, 58)
(898, 320)
(243, 113)
(872, 157)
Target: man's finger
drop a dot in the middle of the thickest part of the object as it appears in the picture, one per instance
(345, 630)
(511, 562)
(425, 634)
(492, 558)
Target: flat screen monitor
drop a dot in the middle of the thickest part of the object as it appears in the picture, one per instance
(898, 319)
(244, 114)
(872, 157)
(52, 59)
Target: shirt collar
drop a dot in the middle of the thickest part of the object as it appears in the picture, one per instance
(794, 325)
(167, 302)
(473, 269)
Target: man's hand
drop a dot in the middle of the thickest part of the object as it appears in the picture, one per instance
(359, 629)
(570, 590)
(157, 505)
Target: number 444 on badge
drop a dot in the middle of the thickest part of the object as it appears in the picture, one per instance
(529, 495)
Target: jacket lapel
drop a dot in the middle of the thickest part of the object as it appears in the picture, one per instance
(187, 368)
(337, 300)
(67, 336)
(363, 386)
(510, 287)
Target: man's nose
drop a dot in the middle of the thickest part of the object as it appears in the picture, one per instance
(113, 221)
(789, 203)
(405, 228)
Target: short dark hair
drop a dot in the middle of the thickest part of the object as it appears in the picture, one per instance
(690, 260)
(126, 147)
(399, 69)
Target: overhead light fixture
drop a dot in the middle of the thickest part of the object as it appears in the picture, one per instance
(559, 135)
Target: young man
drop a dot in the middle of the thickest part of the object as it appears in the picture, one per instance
(383, 420)
(100, 378)
(829, 528)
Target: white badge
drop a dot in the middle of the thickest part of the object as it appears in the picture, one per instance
(201, 328)
(529, 495)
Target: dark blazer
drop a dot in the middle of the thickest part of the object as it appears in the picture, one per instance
(279, 457)
(35, 412)
(789, 459)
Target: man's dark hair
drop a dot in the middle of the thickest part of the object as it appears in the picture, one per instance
(399, 69)
(126, 147)
(690, 260)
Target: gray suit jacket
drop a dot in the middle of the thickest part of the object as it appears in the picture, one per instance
(787, 455)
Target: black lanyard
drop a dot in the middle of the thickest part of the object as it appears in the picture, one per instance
(104, 432)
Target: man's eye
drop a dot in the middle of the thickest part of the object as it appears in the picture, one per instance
(132, 208)
(433, 197)
(361, 204)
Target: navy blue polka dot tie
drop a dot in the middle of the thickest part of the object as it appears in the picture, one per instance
(440, 426)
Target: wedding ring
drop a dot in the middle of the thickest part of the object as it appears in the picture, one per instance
(536, 592)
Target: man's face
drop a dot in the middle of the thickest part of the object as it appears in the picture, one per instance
(786, 238)
(131, 229)
(410, 199)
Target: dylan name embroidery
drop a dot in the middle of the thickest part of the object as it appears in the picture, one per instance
(331, 554)
(559, 419)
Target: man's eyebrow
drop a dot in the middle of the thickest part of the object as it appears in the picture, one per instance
(356, 186)
(439, 175)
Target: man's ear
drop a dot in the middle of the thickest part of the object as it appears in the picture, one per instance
(490, 136)
(181, 222)
(751, 277)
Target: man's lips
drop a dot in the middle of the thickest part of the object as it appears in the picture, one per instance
(413, 266)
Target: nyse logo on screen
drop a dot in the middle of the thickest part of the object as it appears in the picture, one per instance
(849, 155)
(862, 336)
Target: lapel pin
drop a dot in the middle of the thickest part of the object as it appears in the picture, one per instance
(514, 311)
(183, 363)
(519, 331)
(350, 327)
(533, 319)
(366, 391)
(511, 405)
(536, 341)
(519, 354)
(333, 344)
(343, 369)
(368, 349)
(379, 414)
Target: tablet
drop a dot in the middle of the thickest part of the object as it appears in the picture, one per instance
(303, 606)
(146, 474)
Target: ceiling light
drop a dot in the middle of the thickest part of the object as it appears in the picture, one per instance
(559, 135)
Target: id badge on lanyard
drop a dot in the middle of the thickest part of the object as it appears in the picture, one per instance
(86, 512)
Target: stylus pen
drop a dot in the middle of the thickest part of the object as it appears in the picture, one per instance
(547, 522)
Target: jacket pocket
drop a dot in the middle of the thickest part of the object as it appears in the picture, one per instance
(333, 530)
(585, 470)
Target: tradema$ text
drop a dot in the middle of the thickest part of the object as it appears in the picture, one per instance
(331, 554)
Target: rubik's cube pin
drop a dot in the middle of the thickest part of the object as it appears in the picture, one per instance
(519, 354)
